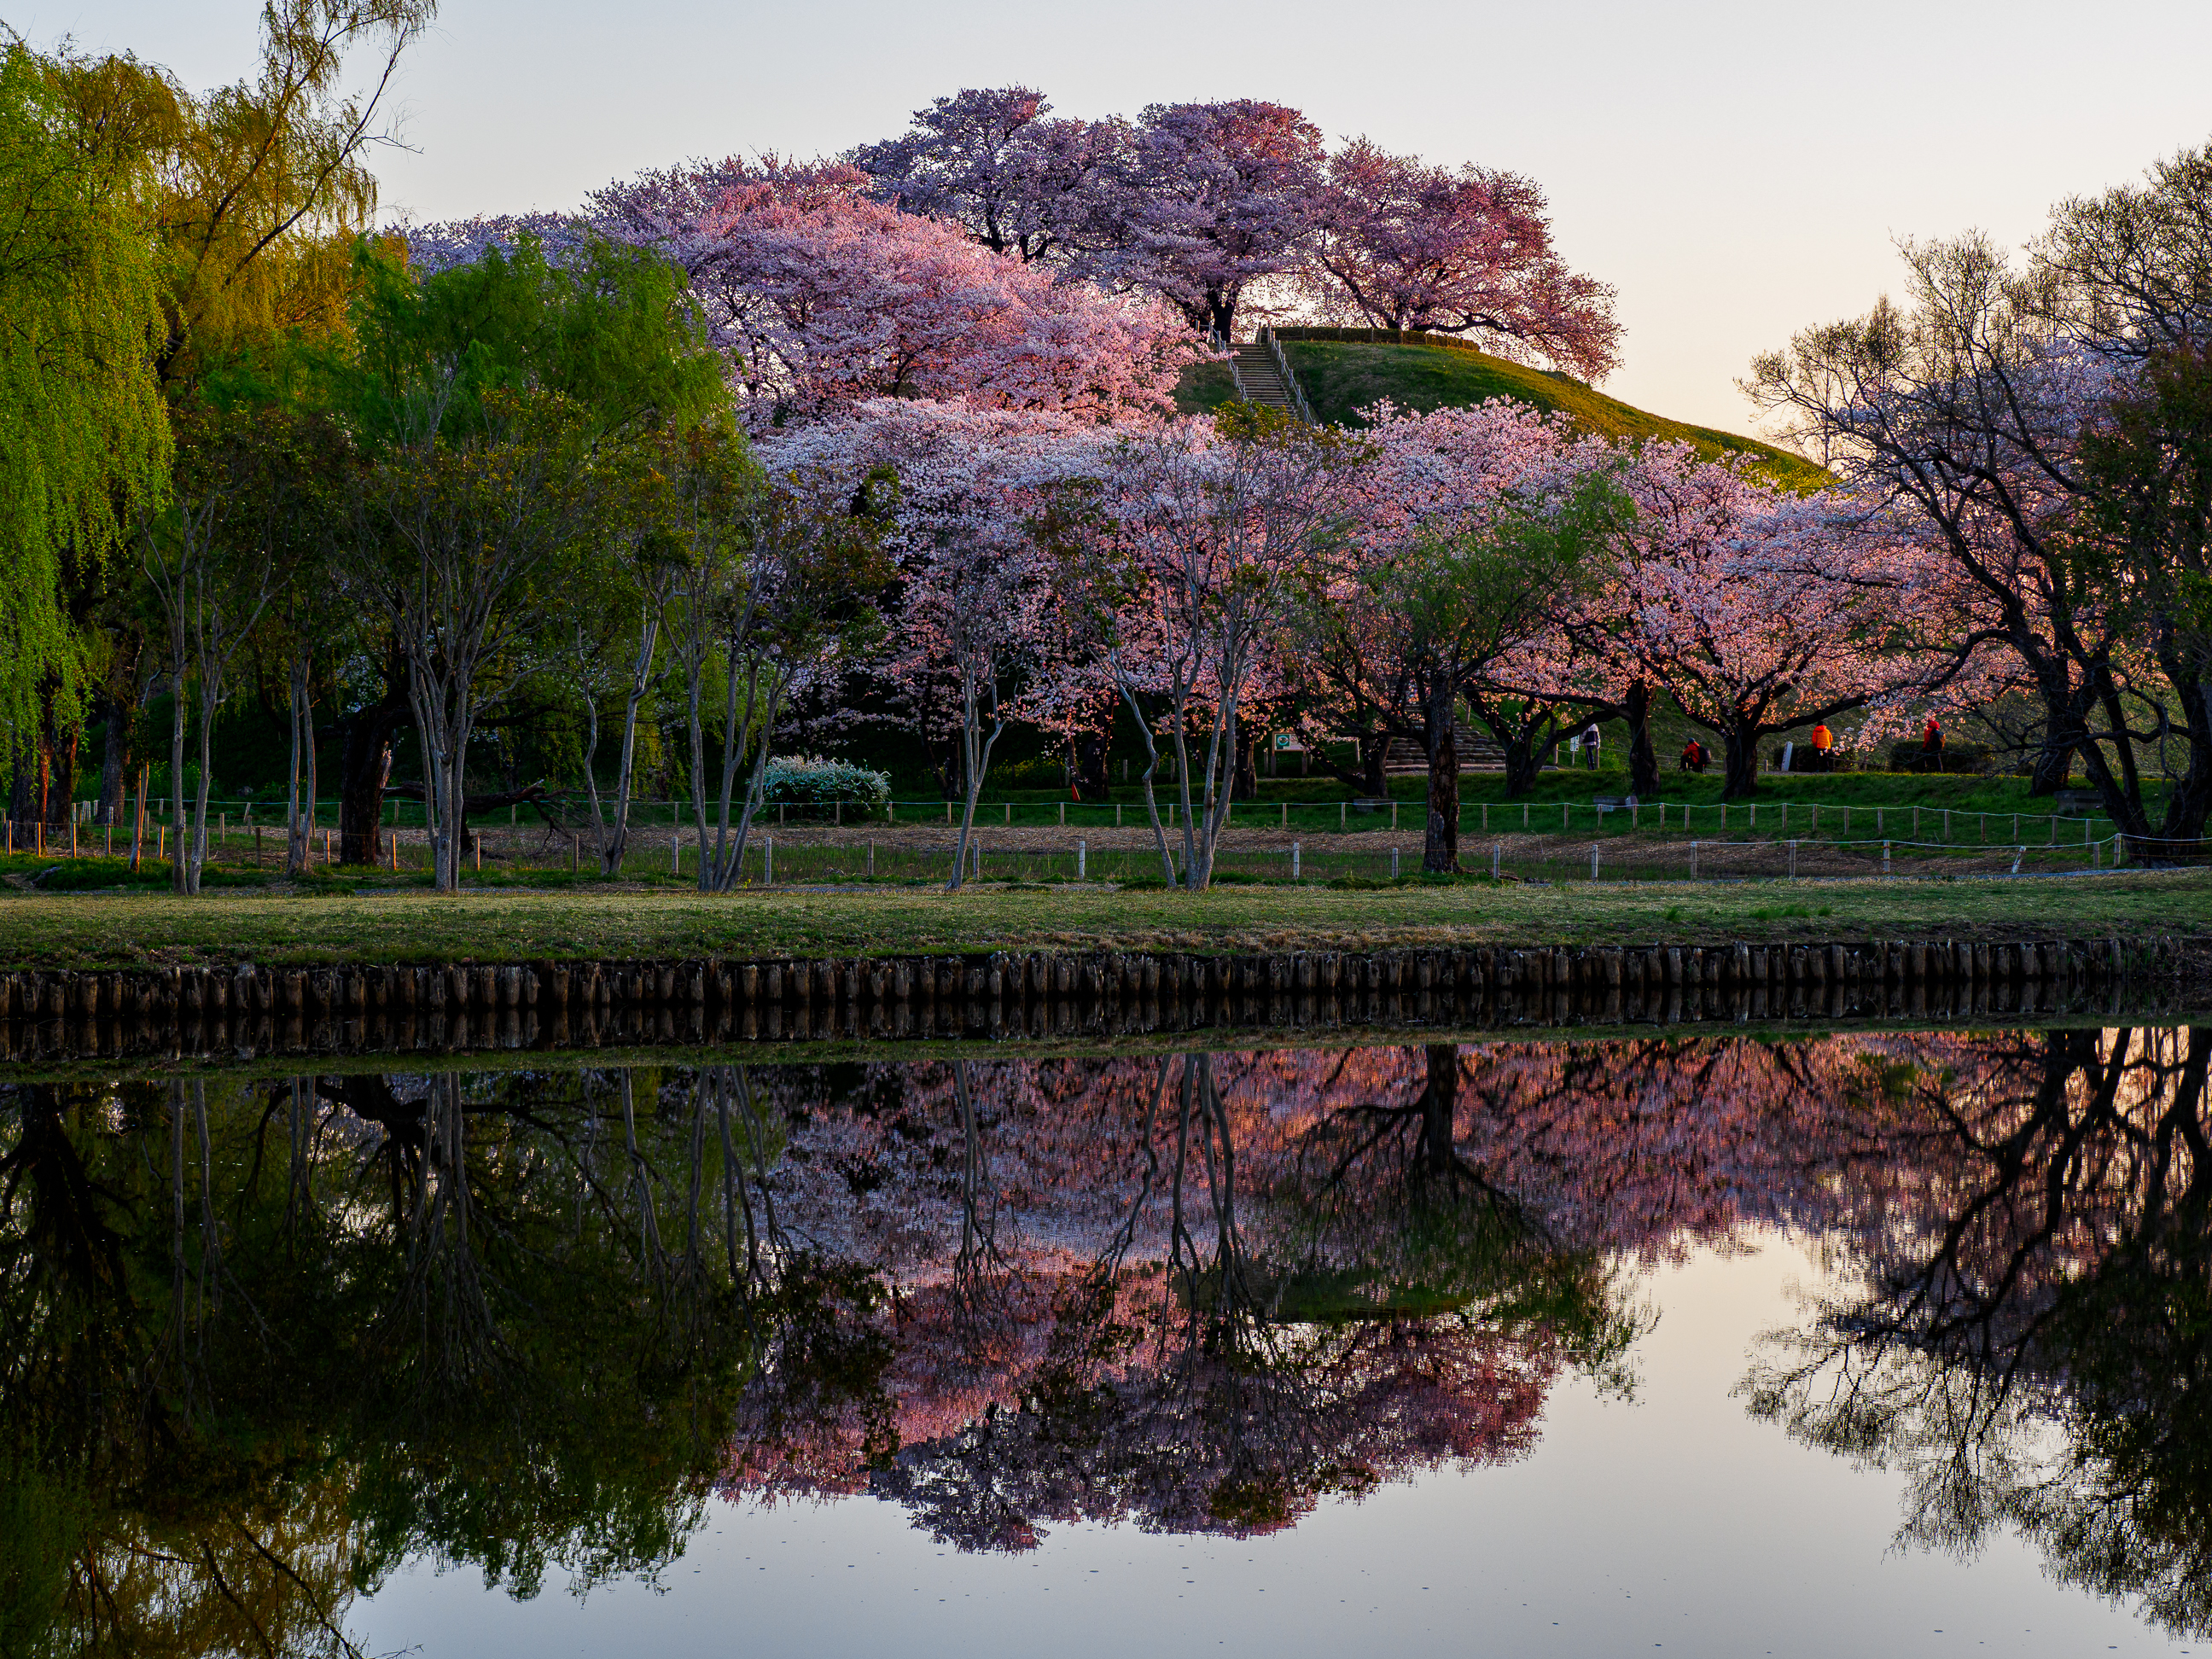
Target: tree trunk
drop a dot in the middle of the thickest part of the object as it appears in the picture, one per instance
(1091, 779)
(1440, 846)
(1522, 763)
(365, 767)
(59, 739)
(1742, 763)
(114, 756)
(1244, 778)
(1643, 758)
(1439, 1105)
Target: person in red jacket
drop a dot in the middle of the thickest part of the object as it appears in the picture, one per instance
(1931, 744)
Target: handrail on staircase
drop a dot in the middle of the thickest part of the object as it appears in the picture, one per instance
(1283, 367)
(1215, 342)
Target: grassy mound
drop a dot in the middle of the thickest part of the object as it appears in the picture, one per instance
(1342, 373)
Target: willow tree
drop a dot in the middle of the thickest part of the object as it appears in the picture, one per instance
(82, 427)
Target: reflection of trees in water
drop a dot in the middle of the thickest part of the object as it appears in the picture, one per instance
(1203, 1346)
(261, 1343)
(2027, 1338)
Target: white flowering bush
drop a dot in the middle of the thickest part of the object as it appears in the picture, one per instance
(809, 780)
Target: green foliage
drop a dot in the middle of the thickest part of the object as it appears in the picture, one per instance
(83, 441)
(609, 329)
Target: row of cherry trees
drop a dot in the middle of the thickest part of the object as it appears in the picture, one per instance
(1212, 205)
(990, 312)
(1211, 577)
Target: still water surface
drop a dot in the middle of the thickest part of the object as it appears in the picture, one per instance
(1868, 1343)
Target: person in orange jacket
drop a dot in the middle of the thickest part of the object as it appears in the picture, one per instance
(1824, 748)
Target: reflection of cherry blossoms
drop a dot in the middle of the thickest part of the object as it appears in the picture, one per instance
(1203, 1292)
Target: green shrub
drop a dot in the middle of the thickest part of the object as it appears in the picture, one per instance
(810, 780)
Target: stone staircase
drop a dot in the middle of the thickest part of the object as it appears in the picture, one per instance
(1475, 755)
(1258, 379)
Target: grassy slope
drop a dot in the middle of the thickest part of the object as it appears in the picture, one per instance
(107, 930)
(1343, 377)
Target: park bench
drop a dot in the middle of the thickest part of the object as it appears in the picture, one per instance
(2081, 800)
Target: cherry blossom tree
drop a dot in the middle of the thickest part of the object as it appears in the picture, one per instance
(1757, 612)
(992, 162)
(1205, 200)
(1409, 246)
(1475, 528)
(974, 582)
(1184, 562)
(819, 297)
(1954, 420)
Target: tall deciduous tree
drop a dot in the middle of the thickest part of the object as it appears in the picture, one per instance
(1955, 421)
(1409, 246)
(994, 162)
(504, 400)
(820, 298)
(1185, 559)
(1206, 199)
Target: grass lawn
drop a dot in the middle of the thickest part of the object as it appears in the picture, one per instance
(1341, 377)
(521, 922)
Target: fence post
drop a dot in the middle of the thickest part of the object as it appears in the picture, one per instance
(1394, 864)
(1063, 815)
(872, 861)
(1340, 810)
(1694, 860)
(1082, 861)
(837, 814)
(576, 852)
(1593, 860)
(1295, 873)
(1497, 857)
(675, 855)
(1394, 815)
(1793, 860)
(1286, 815)
(1885, 859)
(768, 861)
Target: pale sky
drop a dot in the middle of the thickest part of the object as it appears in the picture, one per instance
(1736, 171)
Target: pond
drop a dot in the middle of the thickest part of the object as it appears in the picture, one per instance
(1877, 1341)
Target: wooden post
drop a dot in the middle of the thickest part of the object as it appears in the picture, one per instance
(395, 851)
(257, 847)
(576, 852)
(2054, 831)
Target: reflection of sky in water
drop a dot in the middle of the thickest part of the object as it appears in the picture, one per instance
(1675, 1522)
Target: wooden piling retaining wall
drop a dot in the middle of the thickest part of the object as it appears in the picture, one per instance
(247, 1008)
